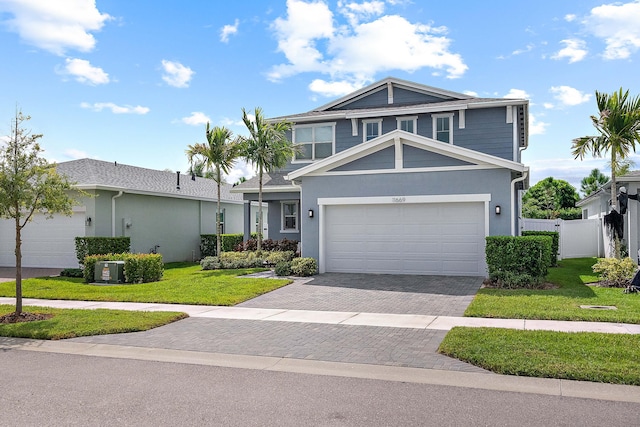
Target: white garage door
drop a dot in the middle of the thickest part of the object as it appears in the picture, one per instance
(420, 238)
(45, 242)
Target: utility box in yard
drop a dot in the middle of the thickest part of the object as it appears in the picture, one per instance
(109, 272)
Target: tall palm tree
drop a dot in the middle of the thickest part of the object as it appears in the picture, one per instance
(217, 156)
(618, 126)
(267, 148)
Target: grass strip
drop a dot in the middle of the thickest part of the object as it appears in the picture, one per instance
(584, 356)
(70, 323)
(572, 277)
(183, 283)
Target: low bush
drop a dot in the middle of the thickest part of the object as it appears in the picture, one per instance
(304, 267)
(101, 245)
(232, 260)
(138, 268)
(72, 272)
(509, 280)
(615, 273)
(283, 268)
(276, 257)
(228, 243)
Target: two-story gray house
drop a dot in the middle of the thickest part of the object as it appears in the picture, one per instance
(399, 177)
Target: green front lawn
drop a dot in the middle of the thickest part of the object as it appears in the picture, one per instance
(67, 323)
(608, 358)
(572, 277)
(183, 283)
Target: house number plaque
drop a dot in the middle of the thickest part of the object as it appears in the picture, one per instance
(398, 199)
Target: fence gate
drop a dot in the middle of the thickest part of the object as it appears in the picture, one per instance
(578, 238)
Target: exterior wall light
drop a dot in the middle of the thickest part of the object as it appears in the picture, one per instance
(498, 209)
(87, 221)
(310, 213)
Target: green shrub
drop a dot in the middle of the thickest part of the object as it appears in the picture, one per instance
(268, 245)
(283, 268)
(555, 243)
(509, 280)
(615, 273)
(100, 246)
(232, 260)
(525, 255)
(210, 263)
(304, 267)
(72, 272)
(138, 268)
(228, 243)
(276, 257)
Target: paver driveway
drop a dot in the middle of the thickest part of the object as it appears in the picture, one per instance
(408, 347)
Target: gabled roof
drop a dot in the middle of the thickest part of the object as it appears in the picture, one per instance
(390, 138)
(451, 101)
(605, 189)
(90, 174)
(272, 182)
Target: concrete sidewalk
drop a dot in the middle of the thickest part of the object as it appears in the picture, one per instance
(414, 321)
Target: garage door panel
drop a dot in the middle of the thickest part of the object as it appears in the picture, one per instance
(421, 238)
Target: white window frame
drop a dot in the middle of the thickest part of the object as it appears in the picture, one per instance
(313, 151)
(434, 118)
(364, 128)
(282, 216)
(413, 119)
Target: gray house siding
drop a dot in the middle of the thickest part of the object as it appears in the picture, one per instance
(274, 219)
(409, 97)
(417, 158)
(487, 131)
(375, 99)
(494, 182)
(383, 159)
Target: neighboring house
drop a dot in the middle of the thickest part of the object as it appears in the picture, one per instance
(400, 177)
(149, 206)
(598, 204)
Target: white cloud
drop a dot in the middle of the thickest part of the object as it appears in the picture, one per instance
(115, 109)
(84, 72)
(312, 42)
(176, 74)
(570, 17)
(55, 26)
(228, 30)
(196, 118)
(617, 24)
(332, 89)
(517, 94)
(569, 96)
(574, 49)
(470, 93)
(75, 154)
(226, 121)
(241, 169)
(548, 105)
(528, 48)
(536, 127)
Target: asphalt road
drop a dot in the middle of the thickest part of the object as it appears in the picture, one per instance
(50, 389)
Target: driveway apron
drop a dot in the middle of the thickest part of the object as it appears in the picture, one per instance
(398, 294)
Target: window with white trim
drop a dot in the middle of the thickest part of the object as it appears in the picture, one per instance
(408, 124)
(371, 129)
(289, 217)
(316, 141)
(443, 127)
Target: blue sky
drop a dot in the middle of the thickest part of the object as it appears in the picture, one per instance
(136, 81)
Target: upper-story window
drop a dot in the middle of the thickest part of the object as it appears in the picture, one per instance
(316, 141)
(371, 129)
(443, 127)
(408, 124)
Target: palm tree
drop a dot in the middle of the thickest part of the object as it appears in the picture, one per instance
(216, 156)
(618, 126)
(592, 183)
(267, 148)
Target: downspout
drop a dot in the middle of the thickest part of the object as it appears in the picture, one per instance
(113, 213)
(513, 199)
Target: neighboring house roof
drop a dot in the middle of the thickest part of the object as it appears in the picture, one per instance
(388, 139)
(633, 176)
(274, 182)
(90, 174)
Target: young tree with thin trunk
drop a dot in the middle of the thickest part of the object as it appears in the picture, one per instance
(618, 126)
(28, 185)
(267, 148)
(215, 157)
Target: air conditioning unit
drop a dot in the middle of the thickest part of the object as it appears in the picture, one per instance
(109, 272)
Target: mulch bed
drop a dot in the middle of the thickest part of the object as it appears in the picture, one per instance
(24, 317)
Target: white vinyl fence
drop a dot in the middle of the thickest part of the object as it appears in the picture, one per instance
(578, 238)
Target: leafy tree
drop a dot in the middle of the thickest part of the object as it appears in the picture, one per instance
(28, 185)
(550, 199)
(592, 183)
(618, 126)
(267, 148)
(215, 157)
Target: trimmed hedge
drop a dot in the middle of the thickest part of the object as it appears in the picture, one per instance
(268, 245)
(511, 257)
(138, 268)
(304, 267)
(246, 259)
(101, 245)
(555, 243)
(228, 243)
